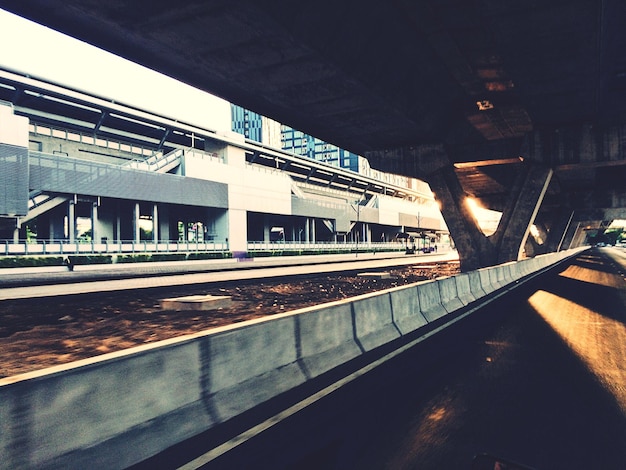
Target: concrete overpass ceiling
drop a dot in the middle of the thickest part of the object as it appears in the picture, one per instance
(373, 75)
(474, 75)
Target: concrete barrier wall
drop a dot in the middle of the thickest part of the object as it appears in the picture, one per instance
(476, 285)
(120, 408)
(329, 340)
(249, 365)
(487, 280)
(373, 321)
(430, 301)
(449, 296)
(405, 305)
(464, 289)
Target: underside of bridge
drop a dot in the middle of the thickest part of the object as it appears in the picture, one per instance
(518, 104)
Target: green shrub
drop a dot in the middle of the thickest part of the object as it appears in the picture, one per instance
(30, 261)
(209, 255)
(91, 259)
(133, 258)
(168, 257)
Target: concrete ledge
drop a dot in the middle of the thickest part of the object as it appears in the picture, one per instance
(120, 408)
(197, 302)
(380, 275)
(486, 280)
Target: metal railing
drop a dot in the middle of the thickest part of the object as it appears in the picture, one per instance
(63, 247)
(324, 246)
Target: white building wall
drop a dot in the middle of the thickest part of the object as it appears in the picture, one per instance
(13, 129)
(271, 133)
(390, 209)
(249, 189)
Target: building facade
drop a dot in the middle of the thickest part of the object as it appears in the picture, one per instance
(82, 173)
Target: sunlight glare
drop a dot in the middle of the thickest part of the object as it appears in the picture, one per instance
(487, 219)
(579, 328)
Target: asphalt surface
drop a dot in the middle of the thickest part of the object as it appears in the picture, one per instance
(24, 283)
(537, 376)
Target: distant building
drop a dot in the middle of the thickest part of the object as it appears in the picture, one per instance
(306, 145)
(268, 132)
(260, 129)
(247, 123)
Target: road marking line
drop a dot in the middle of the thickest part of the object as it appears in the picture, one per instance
(243, 437)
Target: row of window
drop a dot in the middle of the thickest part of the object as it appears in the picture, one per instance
(250, 125)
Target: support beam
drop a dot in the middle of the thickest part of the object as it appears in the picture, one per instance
(558, 230)
(520, 212)
(155, 223)
(474, 249)
(71, 221)
(136, 216)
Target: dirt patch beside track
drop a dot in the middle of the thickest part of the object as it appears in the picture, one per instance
(39, 333)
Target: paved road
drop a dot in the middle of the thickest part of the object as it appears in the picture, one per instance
(45, 282)
(538, 376)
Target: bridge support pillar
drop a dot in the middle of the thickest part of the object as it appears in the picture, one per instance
(558, 230)
(519, 214)
(473, 247)
(432, 164)
(576, 237)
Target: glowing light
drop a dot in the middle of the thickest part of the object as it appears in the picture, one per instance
(534, 232)
(487, 220)
(484, 105)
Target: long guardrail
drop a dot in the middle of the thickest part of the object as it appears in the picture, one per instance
(64, 247)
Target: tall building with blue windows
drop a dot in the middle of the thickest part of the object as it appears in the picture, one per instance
(247, 123)
(306, 145)
(255, 127)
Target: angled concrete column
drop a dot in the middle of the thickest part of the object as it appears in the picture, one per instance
(522, 206)
(575, 237)
(557, 232)
(534, 247)
(473, 247)
(432, 164)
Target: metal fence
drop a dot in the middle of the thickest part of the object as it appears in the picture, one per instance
(324, 246)
(61, 247)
